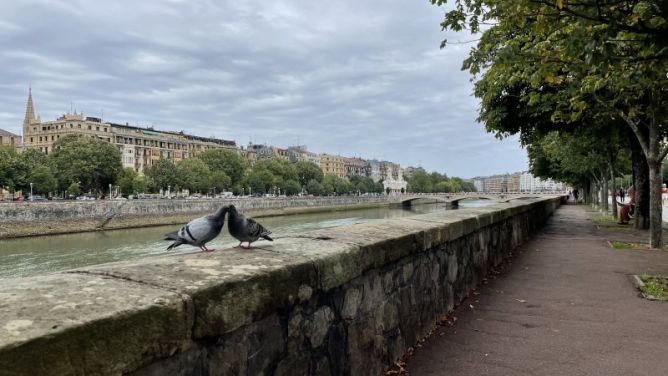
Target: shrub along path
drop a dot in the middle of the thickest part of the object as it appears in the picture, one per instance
(564, 306)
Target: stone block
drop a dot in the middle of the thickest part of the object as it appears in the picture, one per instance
(73, 324)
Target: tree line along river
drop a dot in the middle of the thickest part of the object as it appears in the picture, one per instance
(23, 257)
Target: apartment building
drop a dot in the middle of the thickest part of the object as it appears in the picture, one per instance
(140, 147)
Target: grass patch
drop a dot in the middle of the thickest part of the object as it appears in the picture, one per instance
(624, 245)
(656, 287)
(615, 244)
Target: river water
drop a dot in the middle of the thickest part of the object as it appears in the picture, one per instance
(44, 254)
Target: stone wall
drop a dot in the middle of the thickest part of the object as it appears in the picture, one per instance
(340, 301)
(59, 217)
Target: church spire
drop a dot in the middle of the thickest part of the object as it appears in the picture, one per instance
(30, 113)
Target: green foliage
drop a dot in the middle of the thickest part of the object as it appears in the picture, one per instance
(333, 184)
(308, 171)
(93, 163)
(420, 181)
(364, 184)
(655, 286)
(8, 158)
(162, 174)
(130, 182)
(220, 181)
(194, 175)
(290, 187)
(314, 187)
(43, 179)
(73, 189)
(227, 161)
(261, 181)
(278, 167)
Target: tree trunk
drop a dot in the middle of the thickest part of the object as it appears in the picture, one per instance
(640, 185)
(654, 165)
(613, 190)
(655, 207)
(604, 192)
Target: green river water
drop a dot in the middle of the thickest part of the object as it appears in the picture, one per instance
(45, 254)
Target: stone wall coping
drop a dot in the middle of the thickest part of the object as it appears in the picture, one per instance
(116, 317)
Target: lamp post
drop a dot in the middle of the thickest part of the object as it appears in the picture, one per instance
(30, 191)
(110, 191)
(169, 189)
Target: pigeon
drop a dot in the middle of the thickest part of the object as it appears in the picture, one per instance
(199, 231)
(245, 229)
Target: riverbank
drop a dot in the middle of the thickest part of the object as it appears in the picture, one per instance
(52, 218)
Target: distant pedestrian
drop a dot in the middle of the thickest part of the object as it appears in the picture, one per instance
(575, 195)
(621, 194)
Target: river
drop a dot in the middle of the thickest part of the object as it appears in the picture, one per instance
(45, 254)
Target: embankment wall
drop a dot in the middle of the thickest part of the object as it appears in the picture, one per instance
(62, 217)
(341, 301)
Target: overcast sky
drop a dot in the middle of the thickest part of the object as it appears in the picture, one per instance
(357, 78)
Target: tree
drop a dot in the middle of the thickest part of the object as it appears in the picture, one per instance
(420, 181)
(220, 181)
(226, 161)
(163, 174)
(8, 171)
(43, 179)
(73, 189)
(25, 165)
(314, 187)
(278, 167)
(194, 175)
(607, 61)
(308, 171)
(93, 163)
(290, 187)
(130, 182)
(261, 181)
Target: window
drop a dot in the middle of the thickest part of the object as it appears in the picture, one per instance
(31, 140)
(40, 138)
(79, 125)
(43, 128)
(71, 125)
(52, 138)
(89, 128)
(105, 129)
(97, 128)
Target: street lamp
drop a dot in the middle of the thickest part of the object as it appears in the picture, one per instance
(30, 191)
(169, 190)
(110, 191)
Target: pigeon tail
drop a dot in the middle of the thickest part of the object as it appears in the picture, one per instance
(177, 243)
(268, 238)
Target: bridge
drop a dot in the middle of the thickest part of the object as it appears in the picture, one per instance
(452, 199)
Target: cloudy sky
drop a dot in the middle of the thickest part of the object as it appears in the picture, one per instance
(357, 78)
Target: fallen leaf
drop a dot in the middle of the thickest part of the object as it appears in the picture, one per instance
(521, 300)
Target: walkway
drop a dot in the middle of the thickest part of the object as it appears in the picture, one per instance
(565, 306)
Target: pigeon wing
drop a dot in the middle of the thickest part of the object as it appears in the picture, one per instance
(198, 231)
(256, 230)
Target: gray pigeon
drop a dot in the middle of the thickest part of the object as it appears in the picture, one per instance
(199, 231)
(245, 229)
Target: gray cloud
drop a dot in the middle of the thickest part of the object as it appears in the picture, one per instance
(356, 78)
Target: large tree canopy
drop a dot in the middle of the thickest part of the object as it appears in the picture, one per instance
(93, 163)
(544, 65)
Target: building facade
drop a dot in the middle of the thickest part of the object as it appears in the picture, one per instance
(333, 164)
(10, 139)
(355, 167)
(300, 153)
(140, 147)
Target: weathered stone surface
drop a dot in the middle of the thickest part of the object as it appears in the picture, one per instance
(55, 217)
(346, 300)
(63, 324)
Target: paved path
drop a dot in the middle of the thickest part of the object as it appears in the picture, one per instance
(566, 306)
